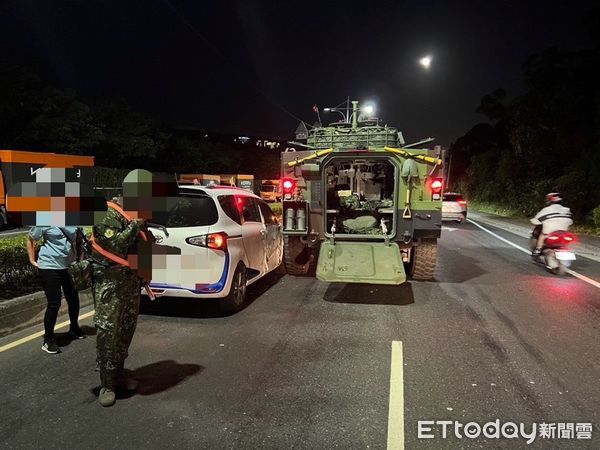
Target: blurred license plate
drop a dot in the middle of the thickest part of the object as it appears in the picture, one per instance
(566, 256)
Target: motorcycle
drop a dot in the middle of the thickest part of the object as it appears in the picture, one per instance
(555, 254)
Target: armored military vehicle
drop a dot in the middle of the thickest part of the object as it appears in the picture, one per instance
(359, 205)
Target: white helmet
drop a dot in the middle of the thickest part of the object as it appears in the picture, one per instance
(553, 197)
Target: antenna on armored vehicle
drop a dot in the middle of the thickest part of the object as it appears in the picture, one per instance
(424, 141)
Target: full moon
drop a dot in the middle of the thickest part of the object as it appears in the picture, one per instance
(425, 61)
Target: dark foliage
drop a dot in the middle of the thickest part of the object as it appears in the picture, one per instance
(544, 140)
(34, 116)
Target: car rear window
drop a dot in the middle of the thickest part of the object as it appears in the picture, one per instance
(267, 213)
(227, 202)
(453, 197)
(191, 211)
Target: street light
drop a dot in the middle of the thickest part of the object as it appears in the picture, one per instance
(425, 61)
(368, 110)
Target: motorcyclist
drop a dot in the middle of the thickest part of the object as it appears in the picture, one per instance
(553, 217)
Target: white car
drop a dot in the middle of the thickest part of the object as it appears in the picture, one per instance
(454, 207)
(228, 237)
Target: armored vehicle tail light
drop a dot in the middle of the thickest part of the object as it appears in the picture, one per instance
(436, 185)
(288, 185)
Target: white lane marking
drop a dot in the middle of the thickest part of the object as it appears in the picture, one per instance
(395, 435)
(524, 250)
(41, 333)
(583, 278)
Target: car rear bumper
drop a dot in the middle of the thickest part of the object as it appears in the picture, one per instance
(454, 215)
(177, 292)
(212, 290)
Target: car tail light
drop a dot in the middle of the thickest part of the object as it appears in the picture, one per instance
(217, 241)
(462, 202)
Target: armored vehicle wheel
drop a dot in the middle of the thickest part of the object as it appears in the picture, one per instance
(296, 256)
(423, 260)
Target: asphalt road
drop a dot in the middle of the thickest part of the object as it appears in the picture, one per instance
(308, 364)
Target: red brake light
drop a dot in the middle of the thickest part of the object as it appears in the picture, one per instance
(288, 184)
(462, 202)
(561, 236)
(436, 185)
(217, 241)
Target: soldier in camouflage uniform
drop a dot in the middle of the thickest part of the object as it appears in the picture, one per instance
(116, 289)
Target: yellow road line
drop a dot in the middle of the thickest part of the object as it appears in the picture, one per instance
(395, 436)
(41, 333)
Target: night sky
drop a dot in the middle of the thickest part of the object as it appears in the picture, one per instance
(237, 66)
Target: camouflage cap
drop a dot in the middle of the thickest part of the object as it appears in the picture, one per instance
(149, 193)
(137, 183)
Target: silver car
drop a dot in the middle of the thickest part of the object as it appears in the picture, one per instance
(454, 207)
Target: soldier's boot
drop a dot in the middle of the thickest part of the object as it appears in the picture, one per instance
(123, 381)
(107, 395)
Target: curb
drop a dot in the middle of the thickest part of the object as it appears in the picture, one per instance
(27, 311)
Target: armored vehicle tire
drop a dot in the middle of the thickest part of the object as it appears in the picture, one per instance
(296, 256)
(423, 260)
(236, 299)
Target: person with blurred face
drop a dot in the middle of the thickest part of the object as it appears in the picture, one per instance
(58, 250)
(117, 284)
